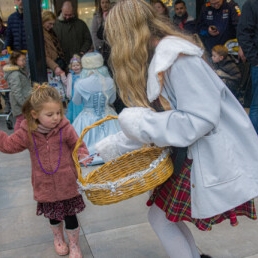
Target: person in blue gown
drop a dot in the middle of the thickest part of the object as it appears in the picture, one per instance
(97, 92)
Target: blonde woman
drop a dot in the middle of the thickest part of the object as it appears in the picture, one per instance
(54, 53)
(159, 69)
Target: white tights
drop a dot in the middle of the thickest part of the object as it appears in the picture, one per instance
(176, 238)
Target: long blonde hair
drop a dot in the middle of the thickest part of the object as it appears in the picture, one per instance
(137, 25)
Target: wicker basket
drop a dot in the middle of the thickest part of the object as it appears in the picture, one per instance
(126, 176)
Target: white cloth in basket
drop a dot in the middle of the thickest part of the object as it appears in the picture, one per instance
(116, 145)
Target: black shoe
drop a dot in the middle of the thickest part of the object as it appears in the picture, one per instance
(205, 256)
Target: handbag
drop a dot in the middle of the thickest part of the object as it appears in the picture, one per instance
(100, 31)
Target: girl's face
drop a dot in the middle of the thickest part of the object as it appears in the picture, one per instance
(48, 25)
(49, 116)
(216, 57)
(159, 8)
(76, 67)
(21, 61)
(104, 4)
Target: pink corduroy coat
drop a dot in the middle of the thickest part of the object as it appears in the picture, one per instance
(62, 184)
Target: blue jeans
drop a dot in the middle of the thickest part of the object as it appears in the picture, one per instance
(254, 104)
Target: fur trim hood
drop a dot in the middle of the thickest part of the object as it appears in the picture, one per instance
(166, 53)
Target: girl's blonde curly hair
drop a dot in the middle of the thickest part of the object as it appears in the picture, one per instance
(40, 95)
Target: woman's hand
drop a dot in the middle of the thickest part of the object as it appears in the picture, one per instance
(58, 71)
(213, 31)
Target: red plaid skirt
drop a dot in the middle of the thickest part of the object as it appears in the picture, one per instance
(174, 198)
(60, 209)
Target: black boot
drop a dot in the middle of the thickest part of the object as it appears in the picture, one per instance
(205, 256)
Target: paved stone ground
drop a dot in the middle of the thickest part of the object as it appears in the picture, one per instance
(111, 231)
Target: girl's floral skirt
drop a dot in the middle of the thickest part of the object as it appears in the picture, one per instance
(60, 209)
(174, 198)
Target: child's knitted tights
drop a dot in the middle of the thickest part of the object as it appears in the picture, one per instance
(176, 238)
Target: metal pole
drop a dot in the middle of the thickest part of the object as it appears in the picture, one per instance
(35, 40)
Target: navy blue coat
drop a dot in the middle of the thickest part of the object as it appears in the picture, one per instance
(225, 19)
(15, 34)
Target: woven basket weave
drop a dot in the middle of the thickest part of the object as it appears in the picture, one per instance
(129, 175)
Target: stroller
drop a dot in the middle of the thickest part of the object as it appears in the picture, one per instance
(244, 94)
(3, 90)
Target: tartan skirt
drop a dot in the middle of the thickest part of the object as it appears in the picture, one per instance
(174, 197)
(60, 209)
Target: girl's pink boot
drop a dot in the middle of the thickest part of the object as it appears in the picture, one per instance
(59, 242)
(74, 247)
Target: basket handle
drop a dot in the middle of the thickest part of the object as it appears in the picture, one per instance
(80, 139)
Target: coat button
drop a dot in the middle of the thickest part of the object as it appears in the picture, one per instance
(193, 186)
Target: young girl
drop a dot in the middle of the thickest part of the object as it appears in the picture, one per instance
(50, 139)
(75, 73)
(19, 83)
(175, 99)
(97, 93)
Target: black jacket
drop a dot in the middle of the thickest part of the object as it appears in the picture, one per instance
(15, 33)
(247, 31)
(229, 72)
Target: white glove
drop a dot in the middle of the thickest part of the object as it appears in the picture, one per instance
(115, 145)
(130, 119)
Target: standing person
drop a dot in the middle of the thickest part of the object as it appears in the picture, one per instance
(158, 68)
(19, 83)
(73, 33)
(182, 19)
(15, 34)
(50, 139)
(54, 53)
(226, 68)
(7, 108)
(161, 8)
(247, 35)
(217, 22)
(98, 22)
(75, 73)
(97, 92)
(2, 34)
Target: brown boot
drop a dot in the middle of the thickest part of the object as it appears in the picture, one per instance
(75, 250)
(59, 242)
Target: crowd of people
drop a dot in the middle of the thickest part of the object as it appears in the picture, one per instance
(171, 80)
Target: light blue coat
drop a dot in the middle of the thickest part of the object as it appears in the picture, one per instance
(206, 117)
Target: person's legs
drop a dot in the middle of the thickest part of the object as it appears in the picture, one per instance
(254, 104)
(59, 242)
(176, 241)
(188, 235)
(72, 230)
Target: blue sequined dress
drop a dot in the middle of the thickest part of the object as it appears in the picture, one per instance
(73, 110)
(97, 93)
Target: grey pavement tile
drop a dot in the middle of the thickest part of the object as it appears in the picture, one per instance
(16, 193)
(99, 218)
(43, 250)
(225, 241)
(136, 241)
(21, 227)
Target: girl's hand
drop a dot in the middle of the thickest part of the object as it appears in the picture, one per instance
(85, 159)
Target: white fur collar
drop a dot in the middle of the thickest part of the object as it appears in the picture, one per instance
(165, 55)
